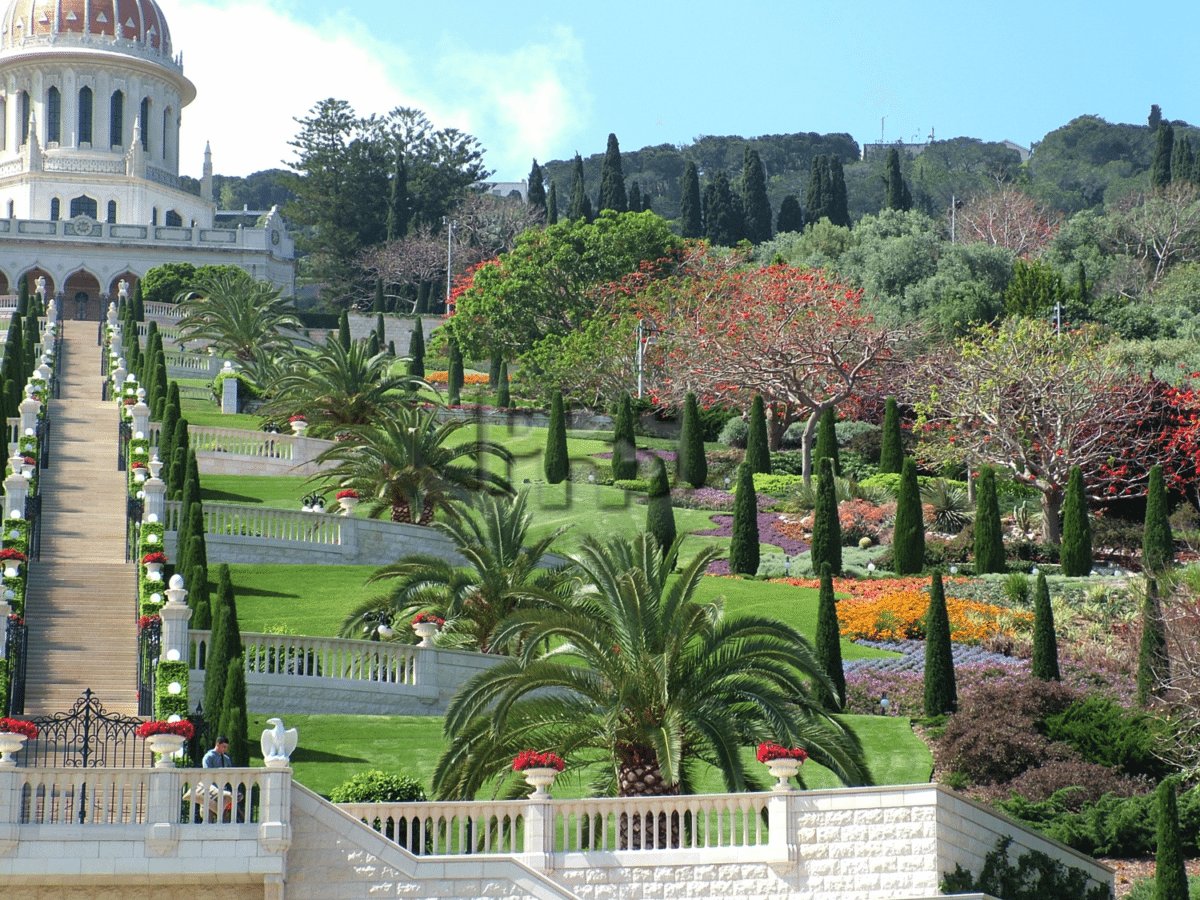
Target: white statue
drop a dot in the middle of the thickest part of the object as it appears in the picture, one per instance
(278, 745)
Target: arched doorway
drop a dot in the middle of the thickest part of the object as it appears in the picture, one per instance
(82, 299)
(114, 286)
(33, 275)
(4, 291)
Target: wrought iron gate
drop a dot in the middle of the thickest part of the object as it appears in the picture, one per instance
(86, 737)
(16, 640)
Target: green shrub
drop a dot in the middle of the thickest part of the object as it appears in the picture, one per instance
(639, 485)
(787, 463)
(1105, 733)
(735, 433)
(777, 486)
(1144, 889)
(951, 511)
(891, 482)
(1034, 876)
(385, 787)
(167, 704)
(1016, 588)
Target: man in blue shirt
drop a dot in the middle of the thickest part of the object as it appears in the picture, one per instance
(218, 757)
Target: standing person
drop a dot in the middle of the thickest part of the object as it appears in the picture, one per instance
(218, 757)
(221, 797)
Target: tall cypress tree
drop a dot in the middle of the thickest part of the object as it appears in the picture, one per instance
(503, 397)
(827, 447)
(455, 376)
(829, 643)
(693, 464)
(23, 296)
(660, 515)
(826, 548)
(344, 331)
(556, 463)
(536, 197)
(691, 221)
(1182, 159)
(1164, 144)
(724, 224)
(1154, 664)
(494, 370)
(839, 207)
(908, 535)
(1158, 544)
(818, 202)
(381, 329)
(1045, 643)
(234, 721)
(624, 452)
(612, 179)
(743, 545)
(758, 452)
(756, 208)
(416, 350)
(139, 306)
(581, 206)
(166, 445)
(379, 304)
(891, 454)
(216, 665)
(941, 693)
(989, 533)
(1076, 552)
(791, 217)
(635, 197)
(1170, 873)
(552, 205)
(895, 192)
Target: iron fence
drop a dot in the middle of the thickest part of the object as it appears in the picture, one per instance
(149, 650)
(86, 737)
(16, 645)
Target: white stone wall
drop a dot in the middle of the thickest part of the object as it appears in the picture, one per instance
(98, 890)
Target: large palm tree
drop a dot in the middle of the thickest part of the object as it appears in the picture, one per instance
(501, 574)
(638, 676)
(334, 387)
(407, 467)
(236, 314)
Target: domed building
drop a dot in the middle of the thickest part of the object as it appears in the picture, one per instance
(91, 99)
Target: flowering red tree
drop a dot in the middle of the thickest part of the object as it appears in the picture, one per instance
(1007, 218)
(797, 337)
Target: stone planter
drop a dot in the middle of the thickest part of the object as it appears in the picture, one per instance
(12, 570)
(166, 746)
(154, 571)
(348, 504)
(139, 475)
(298, 428)
(541, 779)
(425, 631)
(784, 770)
(10, 744)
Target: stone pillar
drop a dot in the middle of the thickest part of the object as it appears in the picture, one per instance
(5, 612)
(162, 810)
(155, 507)
(539, 835)
(229, 390)
(275, 810)
(10, 808)
(16, 489)
(781, 837)
(29, 409)
(175, 615)
(141, 418)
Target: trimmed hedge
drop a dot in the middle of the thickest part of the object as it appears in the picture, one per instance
(167, 704)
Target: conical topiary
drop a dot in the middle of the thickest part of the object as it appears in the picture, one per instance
(829, 642)
(891, 453)
(758, 451)
(624, 452)
(827, 529)
(1158, 544)
(556, 463)
(908, 535)
(989, 533)
(344, 331)
(693, 464)
(1076, 552)
(455, 376)
(827, 447)
(416, 350)
(216, 663)
(503, 398)
(234, 723)
(941, 693)
(660, 515)
(1170, 873)
(1154, 665)
(743, 546)
(1045, 643)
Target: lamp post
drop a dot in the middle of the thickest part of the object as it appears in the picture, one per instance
(450, 226)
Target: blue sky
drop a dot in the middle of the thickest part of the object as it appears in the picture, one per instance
(558, 79)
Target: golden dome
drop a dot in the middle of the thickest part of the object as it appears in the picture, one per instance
(131, 20)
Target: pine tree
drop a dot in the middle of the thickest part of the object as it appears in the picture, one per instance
(1182, 160)
(1158, 544)
(693, 464)
(908, 537)
(536, 197)
(895, 192)
(552, 205)
(827, 447)
(829, 643)
(660, 515)
(941, 693)
(891, 454)
(791, 218)
(455, 376)
(344, 330)
(1045, 644)
(743, 545)
(756, 208)
(1170, 873)
(1164, 144)
(612, 179)
(839, 207)
(503, 398)
(723, 221)
(818, 202)
(635, 198)
(416, 350)
(1154, 664)
(758, 451)
(556, 462)
(826, 548)
(989, 533)
(581, 206)
(234, 723)
(624, 453)
(1076, 551)
(691, 222)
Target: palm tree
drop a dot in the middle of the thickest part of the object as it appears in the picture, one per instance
(501, 575)
(406, 466)
(636, 675)
(335, 388)
(238, 315)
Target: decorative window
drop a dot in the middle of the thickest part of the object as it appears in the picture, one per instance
(116, 119)
(23, 110)
(173, 219)
(83, 206)
(144, 124)
(85, 115)
(55, 209)
(53, 116)
(154, 216)
(166, 112)
(112, 212)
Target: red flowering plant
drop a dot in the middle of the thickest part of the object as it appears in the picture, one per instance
(156, 557)
(347, 494)
(531, 759)
(10, 555)
(137, 465)
(768, 752)
(297, 419)
(428, 617)
(28, 460)
(18, 726)
(183, 728)
(129, 401)
(148, 621)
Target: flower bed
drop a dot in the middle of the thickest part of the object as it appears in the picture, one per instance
(768, 751)
(19, 726)
(768, 533)
(183, 728)
(531, 759)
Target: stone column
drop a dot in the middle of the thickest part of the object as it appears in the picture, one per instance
(275, 810)
(229, 390)
(16, 489)
(162, 809)
(5, 612)
(175, 615)
(539, 835)
(29, 409)
(781, 838)
(141, 418)
(154, 509)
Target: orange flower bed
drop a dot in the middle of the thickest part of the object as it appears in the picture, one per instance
(470, 378)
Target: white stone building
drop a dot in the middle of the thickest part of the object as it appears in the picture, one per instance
(91, 96)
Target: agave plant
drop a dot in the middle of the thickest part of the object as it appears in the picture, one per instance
(951, 509)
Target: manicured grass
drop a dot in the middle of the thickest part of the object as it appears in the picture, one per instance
(209, 415)
(306, 600)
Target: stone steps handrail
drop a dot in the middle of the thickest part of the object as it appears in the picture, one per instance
(162, 311)
(337, 658)
(263, 522)
(240, 442)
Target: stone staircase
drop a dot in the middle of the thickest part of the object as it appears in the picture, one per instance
(80, 603)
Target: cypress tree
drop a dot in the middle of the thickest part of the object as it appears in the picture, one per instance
(216, 666)
(908, 539)
(392, 349)
(691, 222)
(829, 643)
(455, 376)
(1076, 552)
(693, 464)
(743, 545)
(891, 453)
(23, 296)
(494, 370)
(556, 462)
(818, 202)
(181, 449)
(1045, 644)
(827, 447)
(895, 193)
(416, 350)
(1170, 873)
(758, 452)
(552, 205)
(839, 207)
(160, 378)
(826, 548)
(503, 399)
(624, 453)
(989, 533)
(724, 224)
(581, 206)
(1164, 144)
(536, 197)
(378, 305)
(166, 444)
(612, 179)
(423, 292)
(791, 218)
(234, 723)
(756, 208)
(344, 331)
(1182, 159)
(941, 694)
(1158, 544)
(1154, 664)
(381, 328)
(660, 515)
(635, 197)
(139, 306)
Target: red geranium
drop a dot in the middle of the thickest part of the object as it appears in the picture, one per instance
(155, 557)
(297, 419)
(428, 617)
(146, 621)
(9, 554)
(139, 465)
(531, 759)
(183, 728)
(347, 493)
(768, 751)
(19, 726)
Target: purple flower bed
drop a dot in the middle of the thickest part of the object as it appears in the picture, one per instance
(768, 533)
(644, 456)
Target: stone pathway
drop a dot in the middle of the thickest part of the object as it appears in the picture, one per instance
(80, 606)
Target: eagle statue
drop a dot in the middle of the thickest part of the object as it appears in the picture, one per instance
(277, 744)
